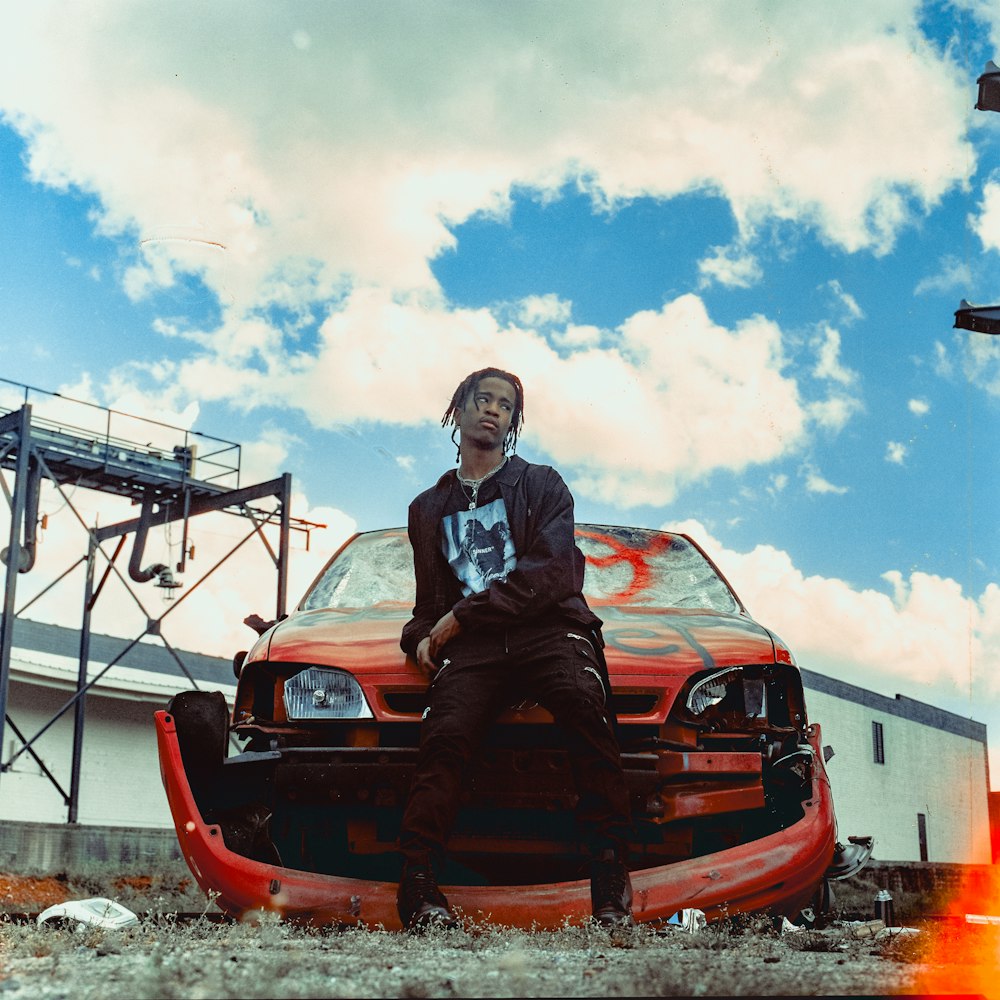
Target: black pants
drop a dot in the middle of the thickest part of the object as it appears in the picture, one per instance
(481, 675)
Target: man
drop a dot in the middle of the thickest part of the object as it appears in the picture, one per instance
(500, 616)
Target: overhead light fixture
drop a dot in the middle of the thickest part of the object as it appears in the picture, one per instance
(989, 88)
(979, 319)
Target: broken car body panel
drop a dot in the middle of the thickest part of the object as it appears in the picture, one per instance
(777, 873)
(731, 804)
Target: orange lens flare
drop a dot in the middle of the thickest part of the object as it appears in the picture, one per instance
(962, 952)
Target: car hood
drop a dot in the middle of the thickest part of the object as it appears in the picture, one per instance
(638, 640)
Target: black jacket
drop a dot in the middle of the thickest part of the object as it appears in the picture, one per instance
(548, 579)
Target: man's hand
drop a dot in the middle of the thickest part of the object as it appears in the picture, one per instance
(446, 629)
(430, 647)
(424, 661)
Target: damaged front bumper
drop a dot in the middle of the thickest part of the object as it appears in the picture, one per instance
(778, 873)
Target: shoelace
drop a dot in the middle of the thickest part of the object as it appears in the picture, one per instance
(421, 887)
(610, 885)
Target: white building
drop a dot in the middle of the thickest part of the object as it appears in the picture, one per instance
(120, 772)
(912, 775)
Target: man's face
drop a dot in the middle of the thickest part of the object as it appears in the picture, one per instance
(485, 418)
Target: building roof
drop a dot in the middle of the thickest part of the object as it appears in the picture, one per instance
(50, 654)
(901, 706)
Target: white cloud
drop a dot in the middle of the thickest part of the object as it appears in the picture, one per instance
(576, 337)
(712, 397)
(985, 11)
(129, 401)
(154, 273)
(673, 376)
(975, 357)
(847, 302)
(374, 128)
(816, 483)
(325, 164)
(925, 638)
(895, 452)
(953, 275)
(943, 364)
(828, 365)
(834, 412)
(919, 407)
(987, 224)
(981, 362)
(134, 416)
(539, 310)
(733, 267)
(263, 459)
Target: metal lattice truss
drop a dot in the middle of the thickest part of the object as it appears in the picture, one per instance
(162, 480)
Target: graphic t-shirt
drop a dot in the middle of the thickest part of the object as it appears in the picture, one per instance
(477, 543)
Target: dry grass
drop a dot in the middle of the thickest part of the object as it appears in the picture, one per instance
(164, 957)
(170, 889)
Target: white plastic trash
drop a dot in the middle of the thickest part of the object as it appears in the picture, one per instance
(97, 912)
(691, 921)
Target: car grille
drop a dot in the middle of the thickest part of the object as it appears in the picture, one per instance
(625, 703)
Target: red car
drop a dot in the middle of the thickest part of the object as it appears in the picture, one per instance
(731, 805)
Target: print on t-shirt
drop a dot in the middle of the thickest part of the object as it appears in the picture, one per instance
(478, 545)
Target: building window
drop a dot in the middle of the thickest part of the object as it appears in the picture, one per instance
(878, 743)
(922, 834)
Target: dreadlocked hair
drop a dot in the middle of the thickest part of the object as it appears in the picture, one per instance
(469, 384)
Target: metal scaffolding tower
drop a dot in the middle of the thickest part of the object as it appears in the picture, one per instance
(174, 476)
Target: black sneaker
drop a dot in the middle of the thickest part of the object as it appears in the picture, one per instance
(610, 891)
(420, 902)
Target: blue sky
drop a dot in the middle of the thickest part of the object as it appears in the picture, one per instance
(722, 245)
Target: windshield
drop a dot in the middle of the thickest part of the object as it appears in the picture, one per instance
(630, 566)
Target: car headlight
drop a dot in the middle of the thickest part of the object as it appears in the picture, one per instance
(739, 692)
(323, 693)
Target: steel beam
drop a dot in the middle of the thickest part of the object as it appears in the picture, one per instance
(199, 505)
(22, 428)
(286, 520)
(79, 714)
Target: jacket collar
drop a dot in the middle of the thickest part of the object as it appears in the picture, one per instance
(509, 475)
(512, 470)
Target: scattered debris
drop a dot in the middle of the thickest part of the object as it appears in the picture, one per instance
(864, 928)
(97, 912)
(894, 932)
(884, 910)
(850, 858)
(689, 920)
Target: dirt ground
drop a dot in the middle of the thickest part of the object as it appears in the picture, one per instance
(164, 956)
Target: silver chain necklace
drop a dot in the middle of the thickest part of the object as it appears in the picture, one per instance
(474, 484)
